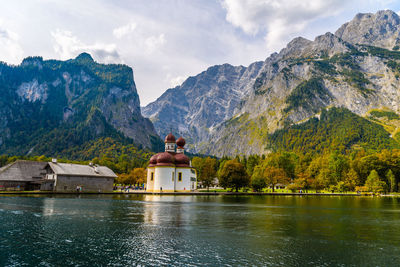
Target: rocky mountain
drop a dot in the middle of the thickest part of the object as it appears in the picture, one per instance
(356, 69)
(202, 102)
(381, 29)
(56, 107)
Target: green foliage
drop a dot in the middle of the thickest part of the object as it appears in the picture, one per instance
(391, 180)
(233, 175)
(337, 128)
(251, 163)
(382, 52)
(206, 170)
(325, 66)
(258, 181)
(283, 160)
(347, 60)
(306, 94)
(374, 184)
(356, 79)
(390, 115)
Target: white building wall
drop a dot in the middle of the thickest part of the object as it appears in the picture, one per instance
(163, 179)
(186, 184)
(150, 183)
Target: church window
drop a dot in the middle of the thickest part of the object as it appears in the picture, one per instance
(152, 176)
(179, 176)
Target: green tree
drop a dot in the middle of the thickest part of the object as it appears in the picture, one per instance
(373, 183)
(391, 180)
(208, 172)
(251, 163)
(338, 165)
(285, 161)
(198, 163)
(351, 180)
(258, 181)
(234, 175)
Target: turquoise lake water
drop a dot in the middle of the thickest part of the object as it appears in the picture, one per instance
(148, 230)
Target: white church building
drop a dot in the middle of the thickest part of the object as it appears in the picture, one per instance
(171, 171)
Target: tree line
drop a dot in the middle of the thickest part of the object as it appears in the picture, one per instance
(359, 170)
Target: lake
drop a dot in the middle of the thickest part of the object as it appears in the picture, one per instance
(147, 230)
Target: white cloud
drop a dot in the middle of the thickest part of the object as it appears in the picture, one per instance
(176, 80)
(66, 45)
(278, 20)
(124, 30)
(11, 50)
(154, 42)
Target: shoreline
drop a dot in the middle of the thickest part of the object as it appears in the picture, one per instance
(211, 193)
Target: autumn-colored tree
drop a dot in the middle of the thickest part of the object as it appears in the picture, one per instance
(138, 175)
(275, 176)
(233, 174)
(303, 182)
(318, 184)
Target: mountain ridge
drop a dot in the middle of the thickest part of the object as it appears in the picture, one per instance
(347, 69)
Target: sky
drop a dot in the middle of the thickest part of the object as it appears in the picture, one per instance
(166, 41)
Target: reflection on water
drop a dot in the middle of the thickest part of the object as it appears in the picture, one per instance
(199, 230)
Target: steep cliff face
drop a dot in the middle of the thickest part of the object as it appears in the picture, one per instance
(69, 103)
(202, 102)
(381, 29)
(357, 68)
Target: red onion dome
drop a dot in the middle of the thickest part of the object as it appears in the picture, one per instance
(180, 142)
(153, 160)
(182, 160)
(165, 159)
(170, 138)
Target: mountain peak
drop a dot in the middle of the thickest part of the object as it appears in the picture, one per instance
(381, 29)
(84, 57)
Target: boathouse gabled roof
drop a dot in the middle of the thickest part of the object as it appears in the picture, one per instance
(70, 169)
(23, 170)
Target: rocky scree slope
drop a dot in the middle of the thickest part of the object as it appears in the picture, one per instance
(55, 107)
